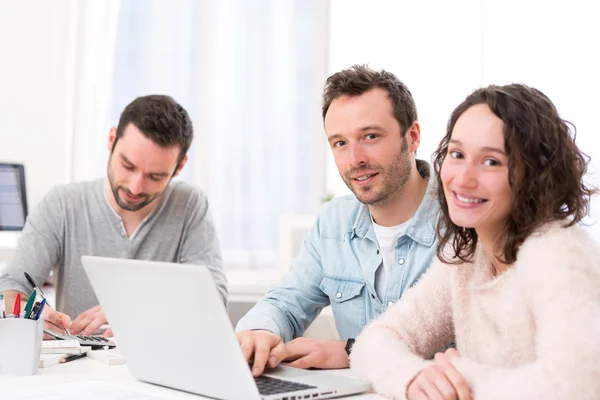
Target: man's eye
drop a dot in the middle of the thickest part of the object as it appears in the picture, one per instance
(128, 167)
(339, 143)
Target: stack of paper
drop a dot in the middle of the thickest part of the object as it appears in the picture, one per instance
(47, 360)
(55, 350)
(110, 357)
(70, 346)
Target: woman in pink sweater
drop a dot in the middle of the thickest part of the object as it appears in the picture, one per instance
(516, 283)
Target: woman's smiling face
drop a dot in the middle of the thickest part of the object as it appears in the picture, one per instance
(474, 173)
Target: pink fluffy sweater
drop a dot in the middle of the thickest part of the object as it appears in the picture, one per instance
(531, 333)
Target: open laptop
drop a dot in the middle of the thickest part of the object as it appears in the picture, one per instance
(173, 330)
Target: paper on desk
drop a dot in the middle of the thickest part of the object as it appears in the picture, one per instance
(73, 391)
(110, 357)
(70, 346)
(54, 344)
(50, 359)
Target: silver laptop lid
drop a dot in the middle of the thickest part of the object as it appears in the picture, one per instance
(148, 304)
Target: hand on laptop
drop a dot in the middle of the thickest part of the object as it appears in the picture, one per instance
(317, 353)
(55, 321)
(265, 347)
(441, 380)
(88, 321)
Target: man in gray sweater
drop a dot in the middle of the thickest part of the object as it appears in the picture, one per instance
(137, 212)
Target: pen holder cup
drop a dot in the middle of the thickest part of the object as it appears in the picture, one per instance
(20, 345)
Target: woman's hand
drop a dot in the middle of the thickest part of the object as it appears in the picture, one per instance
(440, 381)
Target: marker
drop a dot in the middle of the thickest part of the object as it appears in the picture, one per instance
(2, 307)
(34, 310)
(30, 303)
(17, 309)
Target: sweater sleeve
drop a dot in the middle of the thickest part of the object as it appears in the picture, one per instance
(392, 350)
(201, 244)
(560, 275)
(40, 246)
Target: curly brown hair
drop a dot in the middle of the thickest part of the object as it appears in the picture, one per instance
(545, 171)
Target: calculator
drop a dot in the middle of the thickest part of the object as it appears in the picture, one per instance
(95, 341)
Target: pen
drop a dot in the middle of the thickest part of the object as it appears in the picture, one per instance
(17, 308)
(39, 313)
(30, 303)
(32, 283)
(36, 287)
(74, 357)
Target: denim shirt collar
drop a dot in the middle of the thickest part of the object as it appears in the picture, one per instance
(422, 226)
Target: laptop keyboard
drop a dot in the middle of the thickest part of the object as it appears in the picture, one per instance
(267, 385)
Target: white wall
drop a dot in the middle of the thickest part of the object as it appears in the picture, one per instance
(553, 46)
(32, 91)
(443, 50)
(435, 50)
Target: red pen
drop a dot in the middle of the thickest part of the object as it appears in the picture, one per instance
(17, 310)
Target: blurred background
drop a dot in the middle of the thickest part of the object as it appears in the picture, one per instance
(251, 72)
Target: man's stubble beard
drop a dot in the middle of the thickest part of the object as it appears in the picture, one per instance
(394, 178)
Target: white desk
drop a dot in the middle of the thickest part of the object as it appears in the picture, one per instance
(90, 370)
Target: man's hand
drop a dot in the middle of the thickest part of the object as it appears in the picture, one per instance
(265, 347)
(88, 321)
(317, 353)
(440, 381)
(55, 321)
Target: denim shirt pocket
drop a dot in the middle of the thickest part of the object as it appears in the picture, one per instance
(347, 303)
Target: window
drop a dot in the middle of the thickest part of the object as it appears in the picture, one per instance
(250, 74)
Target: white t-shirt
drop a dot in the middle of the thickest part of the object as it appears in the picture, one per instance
(387, 236)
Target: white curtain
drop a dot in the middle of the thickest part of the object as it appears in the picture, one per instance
(92, 29)
(250, 74)
(153, 54)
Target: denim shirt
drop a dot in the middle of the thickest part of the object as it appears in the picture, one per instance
(336, 266)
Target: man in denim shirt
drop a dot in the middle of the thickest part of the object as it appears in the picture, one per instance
(364, 250)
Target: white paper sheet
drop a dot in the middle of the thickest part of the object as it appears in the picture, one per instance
(88, 390)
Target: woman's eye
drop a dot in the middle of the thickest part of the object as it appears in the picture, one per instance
(455, 154)
(491, 163)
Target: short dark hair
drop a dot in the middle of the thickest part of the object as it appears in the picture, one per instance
(358, 79)
(161, 119)
(545, 170)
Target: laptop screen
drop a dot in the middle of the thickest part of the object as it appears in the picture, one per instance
(13, 197)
